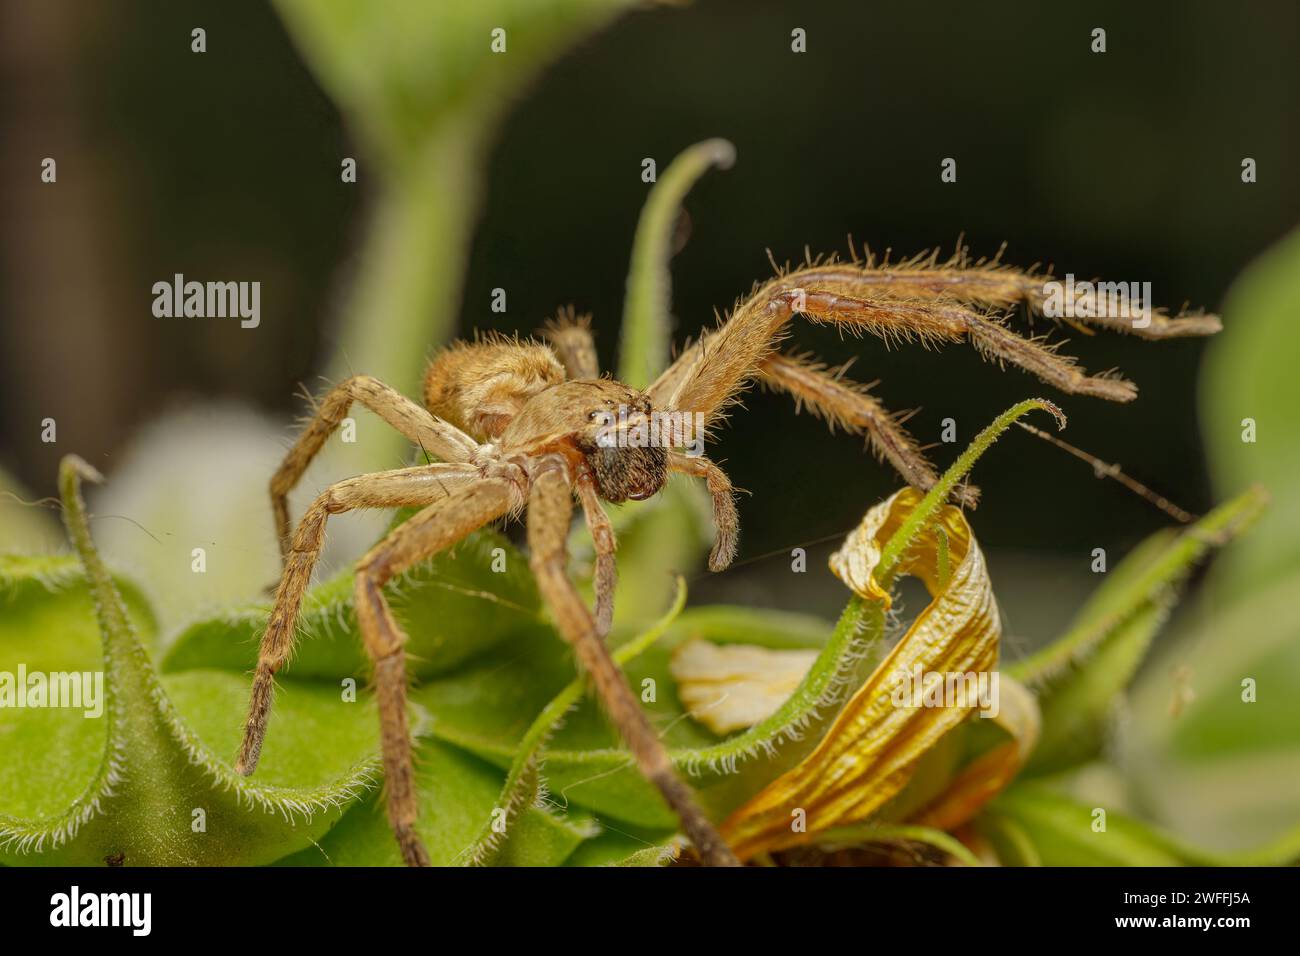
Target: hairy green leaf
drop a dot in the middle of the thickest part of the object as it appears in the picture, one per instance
(457, 793)
(524, 782)
(151, 793)
(453, 607)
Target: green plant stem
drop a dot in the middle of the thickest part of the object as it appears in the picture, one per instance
(407, 292)
(644, 350)
(901, 540)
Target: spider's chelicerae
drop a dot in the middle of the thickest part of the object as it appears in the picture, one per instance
(531, 425)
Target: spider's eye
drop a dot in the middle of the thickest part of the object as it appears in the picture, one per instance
(596, 416)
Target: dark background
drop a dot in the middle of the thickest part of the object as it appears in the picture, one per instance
(1124, 165)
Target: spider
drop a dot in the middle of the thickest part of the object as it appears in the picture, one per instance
(531, 425)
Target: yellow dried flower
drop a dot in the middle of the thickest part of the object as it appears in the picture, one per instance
(872, 748)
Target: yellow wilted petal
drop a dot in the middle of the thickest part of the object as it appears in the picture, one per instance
(986, 776)
(872, 748)
(855, 562)
(730, 686)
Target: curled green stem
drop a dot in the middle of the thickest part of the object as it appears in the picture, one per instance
(935, 498)
(645, 345)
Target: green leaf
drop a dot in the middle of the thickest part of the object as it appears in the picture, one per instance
(457, 793)
(1218, 722)
(1010, 842)
(625, 848)
(306, 716)
(489, 708)
(1250, 373)
(1059, 832)
(1079, 678)
(49, 614)
(1239, 752)
(461, 615)
(47, 625)
(150, 793)
(524, 783)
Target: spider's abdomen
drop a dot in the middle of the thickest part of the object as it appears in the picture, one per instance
(479, 387)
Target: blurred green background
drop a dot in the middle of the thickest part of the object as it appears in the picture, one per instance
(225, 165)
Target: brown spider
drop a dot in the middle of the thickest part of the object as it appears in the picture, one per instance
(529, 425)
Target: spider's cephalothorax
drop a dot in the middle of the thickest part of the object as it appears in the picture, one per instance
(604, 422)
(532, 426)
(516, 395)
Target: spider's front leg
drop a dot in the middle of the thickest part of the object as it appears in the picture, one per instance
(709, 375)
(437, 437)
(434, 529)
(386, 489)
(837, 400)
(726, 522)
(569, 334)
(605, 579)
(550, 507)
